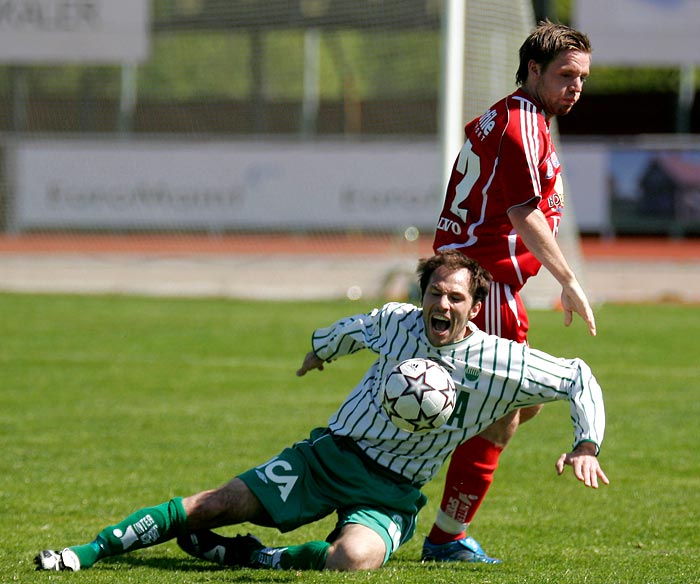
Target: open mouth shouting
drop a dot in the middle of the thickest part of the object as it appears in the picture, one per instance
(439, 329)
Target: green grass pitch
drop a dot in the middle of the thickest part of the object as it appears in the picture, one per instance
(109, 403)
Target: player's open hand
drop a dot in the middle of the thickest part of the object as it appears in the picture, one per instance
(585, 465)
(573, 299)
(311, 361)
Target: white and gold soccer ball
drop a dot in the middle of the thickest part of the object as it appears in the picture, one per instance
(419, 395)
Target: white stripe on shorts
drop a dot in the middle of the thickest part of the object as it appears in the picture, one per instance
(492, 307)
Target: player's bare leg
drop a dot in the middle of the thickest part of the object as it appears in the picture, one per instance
(469, 477)
(232, 503)
(228, 505)
(356, 548)
(502, 431)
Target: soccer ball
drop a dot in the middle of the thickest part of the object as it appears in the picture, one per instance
(419, 395)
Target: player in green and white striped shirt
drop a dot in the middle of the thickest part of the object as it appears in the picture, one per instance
(492, 376)
(361, 466)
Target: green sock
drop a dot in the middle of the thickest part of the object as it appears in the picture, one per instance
(144, 528)
(308, 556)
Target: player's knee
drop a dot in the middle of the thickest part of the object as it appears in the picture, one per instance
(502, 430)
(361, 549)
(345, 557)
(225, 505)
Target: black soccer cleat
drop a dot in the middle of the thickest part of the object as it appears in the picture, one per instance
(225, 551)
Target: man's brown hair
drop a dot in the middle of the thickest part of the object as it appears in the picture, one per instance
(480, 280)
(546, 42)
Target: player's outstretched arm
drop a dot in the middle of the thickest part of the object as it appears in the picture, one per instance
(585, 465)
(311, 361)
(533, 229)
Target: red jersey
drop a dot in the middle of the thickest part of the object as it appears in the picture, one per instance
(507, 160)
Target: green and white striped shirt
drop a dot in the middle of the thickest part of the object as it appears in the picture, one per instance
(493, 376)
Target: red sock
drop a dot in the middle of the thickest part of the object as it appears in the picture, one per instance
(469, 477)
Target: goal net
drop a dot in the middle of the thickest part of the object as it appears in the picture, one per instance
(310, 126)
(495, 29)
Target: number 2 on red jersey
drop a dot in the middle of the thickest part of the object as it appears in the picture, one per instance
(468, 164)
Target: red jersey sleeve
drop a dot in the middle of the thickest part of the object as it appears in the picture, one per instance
(520, 152)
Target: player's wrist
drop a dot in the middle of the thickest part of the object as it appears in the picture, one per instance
(588, 447)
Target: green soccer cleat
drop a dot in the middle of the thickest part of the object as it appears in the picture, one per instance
(466, 549)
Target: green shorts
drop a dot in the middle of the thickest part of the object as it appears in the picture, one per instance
(327, 473)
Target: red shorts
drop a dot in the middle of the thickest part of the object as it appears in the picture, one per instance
(503, 314)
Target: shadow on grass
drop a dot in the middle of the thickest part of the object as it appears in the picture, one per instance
(192, 565)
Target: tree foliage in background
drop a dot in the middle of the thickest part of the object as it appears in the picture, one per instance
(606, 79)
(217, 65)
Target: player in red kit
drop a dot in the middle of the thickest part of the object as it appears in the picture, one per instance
(502, 208)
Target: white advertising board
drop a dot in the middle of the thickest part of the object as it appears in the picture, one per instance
(641, 32)
(224, 185)
(86, 31)
(331, 185)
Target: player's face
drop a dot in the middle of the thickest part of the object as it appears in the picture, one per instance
(448, 306)
(558, 86)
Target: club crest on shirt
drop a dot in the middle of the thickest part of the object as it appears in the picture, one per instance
(472, 373)
(550, 170)
(552, 164)
(555, 159)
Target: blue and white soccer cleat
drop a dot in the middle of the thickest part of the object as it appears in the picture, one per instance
(57, 561)
(461, 550)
